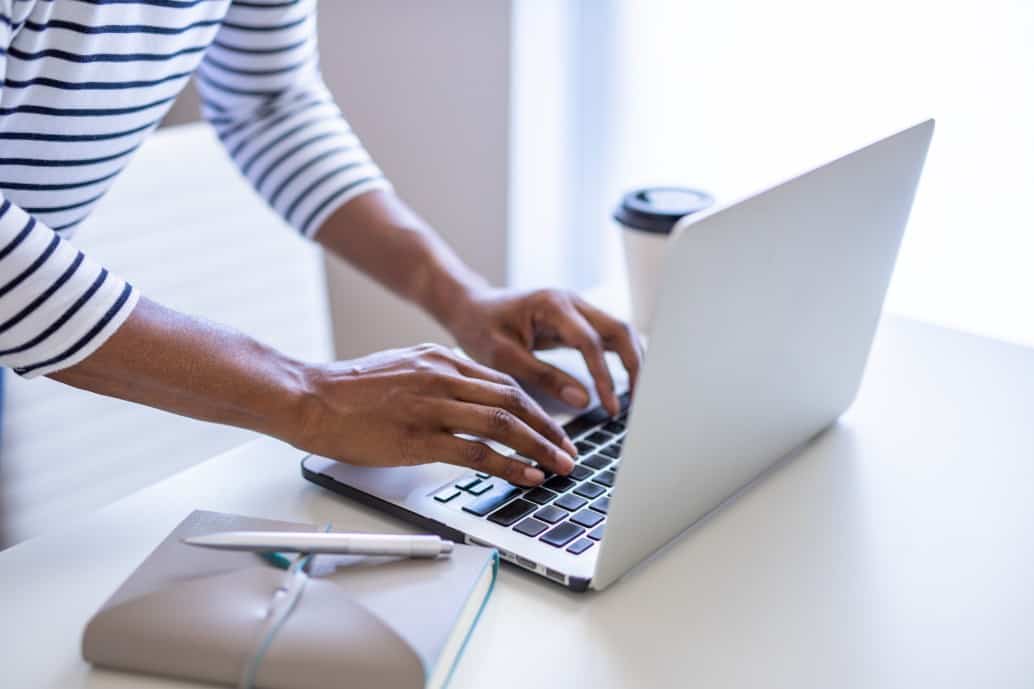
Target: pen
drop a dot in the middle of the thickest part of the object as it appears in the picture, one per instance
(324, 543)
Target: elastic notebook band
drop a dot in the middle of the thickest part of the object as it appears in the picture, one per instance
(285, 599)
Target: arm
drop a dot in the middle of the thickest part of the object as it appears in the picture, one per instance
(261, 89)
(381, 236)
(399, 407)
(65, 316)
(56, 305)
(392, 408)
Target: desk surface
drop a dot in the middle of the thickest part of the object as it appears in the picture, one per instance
(897, 551)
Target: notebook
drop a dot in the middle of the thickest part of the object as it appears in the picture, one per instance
(206, 615)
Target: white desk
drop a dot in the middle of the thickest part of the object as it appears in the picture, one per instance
(898, 551)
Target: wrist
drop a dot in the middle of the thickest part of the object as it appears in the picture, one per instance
(446, 291)
(322, 399)
(289, 411)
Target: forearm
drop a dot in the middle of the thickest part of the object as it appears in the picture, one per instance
(357, 412)
(171, 361)
(378, 234)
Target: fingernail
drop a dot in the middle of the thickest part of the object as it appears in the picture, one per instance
(570, 448)
(574, 396)
(565, 464)
(533, 475)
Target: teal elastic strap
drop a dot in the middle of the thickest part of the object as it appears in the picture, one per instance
(278, 560)
(285, 599)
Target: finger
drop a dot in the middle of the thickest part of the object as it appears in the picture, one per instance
(617, 336)
(525, 366)
(498, 424)
(525, 407)
(474, 369)
(576, 332)
(480, 457)
(515, 400)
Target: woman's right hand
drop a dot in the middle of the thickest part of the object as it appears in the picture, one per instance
(406, 406)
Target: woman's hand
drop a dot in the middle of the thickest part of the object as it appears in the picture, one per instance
(404, 407)
(501, 328)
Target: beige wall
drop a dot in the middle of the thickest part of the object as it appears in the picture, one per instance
(187, 108)
(426, 85)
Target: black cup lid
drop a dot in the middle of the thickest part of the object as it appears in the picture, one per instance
(657, 209)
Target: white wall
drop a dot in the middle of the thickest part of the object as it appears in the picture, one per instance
(734, 95)
(560, 140)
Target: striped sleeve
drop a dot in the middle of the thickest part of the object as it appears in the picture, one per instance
(56, 305)
(261, 88)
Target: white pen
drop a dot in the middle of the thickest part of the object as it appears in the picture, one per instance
(325, 543)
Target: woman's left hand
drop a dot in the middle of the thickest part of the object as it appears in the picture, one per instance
(501, 328)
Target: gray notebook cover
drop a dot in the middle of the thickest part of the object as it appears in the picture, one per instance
(198, 614)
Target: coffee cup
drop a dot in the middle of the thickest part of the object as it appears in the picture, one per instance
(646, 218)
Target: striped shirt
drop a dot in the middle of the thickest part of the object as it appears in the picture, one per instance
(85, 81)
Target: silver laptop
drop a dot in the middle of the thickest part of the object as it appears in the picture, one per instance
(764, 321)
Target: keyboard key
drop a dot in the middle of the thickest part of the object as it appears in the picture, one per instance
(584, 448)
(588, 421)
(481, 488)
(562, 534)
(531, 527)
(600, 438)
(482, 474)
(580, 473)
(559, 484)
(602, 505)
(511, 513)
(446, 494)
(487, 503)
(570, 502)
(551, 514)
(540, 495)
(468, 483)
(580, 546)
(586, 518)
(597, 533)
(604, 478)
(613, 451)
(596, 462)
(590, 490)
(614, 427)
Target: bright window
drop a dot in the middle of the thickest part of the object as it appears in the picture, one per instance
(733, 95)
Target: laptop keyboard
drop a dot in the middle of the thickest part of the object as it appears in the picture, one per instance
(567, 512)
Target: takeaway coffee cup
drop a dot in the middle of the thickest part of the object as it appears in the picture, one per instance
(646, 218)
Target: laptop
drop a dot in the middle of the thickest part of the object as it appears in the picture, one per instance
(764, 320)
